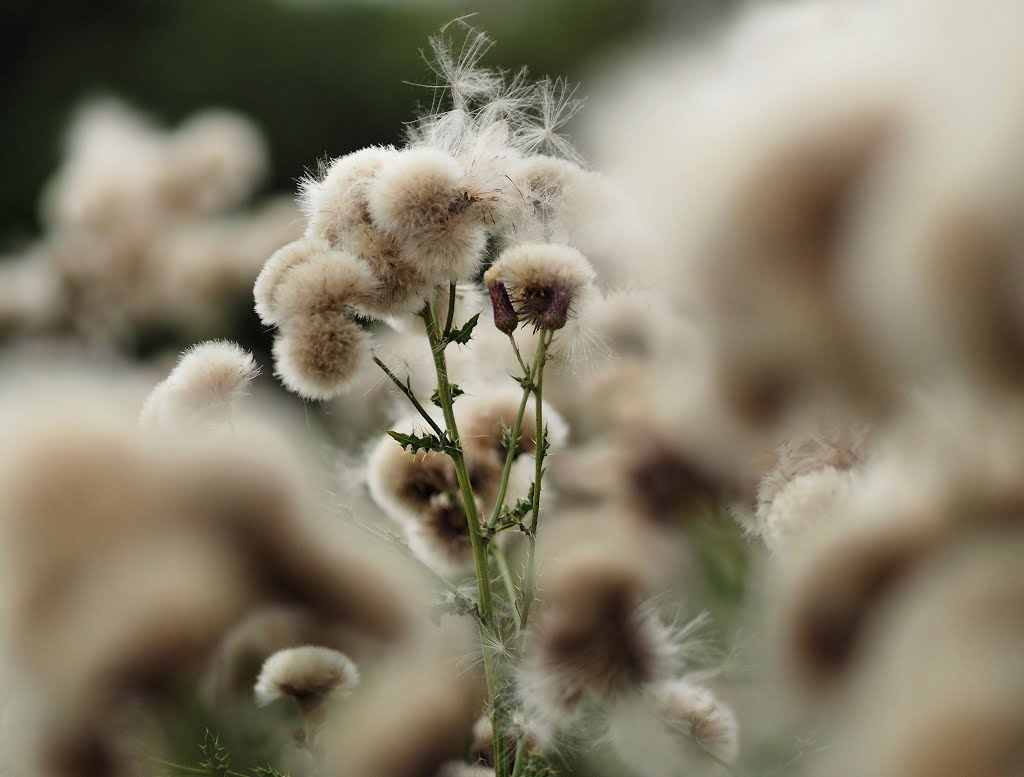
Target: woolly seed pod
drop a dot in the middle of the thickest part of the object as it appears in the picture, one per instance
(265, 289)
(309, 675)
(326, 282)
(695, 711)
(544, 281)
(317, 357)
(421, 200)
(838, 583)
(420, 491)
(336, 204)
(337, 211)
(208, 378)
(594, 639)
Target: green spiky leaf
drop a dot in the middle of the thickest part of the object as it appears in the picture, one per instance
(464, 334)
(415, 443)
(455, 390)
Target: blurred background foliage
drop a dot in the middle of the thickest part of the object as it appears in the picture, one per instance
(321, 77)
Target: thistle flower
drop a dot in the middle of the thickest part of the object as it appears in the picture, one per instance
(839, 583)
(208, 378)
(309, 675)
(593, 640)
(544, 282)
(420, 491)
(215, 159)
(695, 711)
(273, 272)
(331, 282)
(940, 690)
(337, 211)
(421, 200)
(481, 751)
(320, 355)
(335, 204)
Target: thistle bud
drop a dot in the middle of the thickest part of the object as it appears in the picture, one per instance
(545, 281)
(505, 318)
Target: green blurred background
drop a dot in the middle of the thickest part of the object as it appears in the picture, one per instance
(321, 77)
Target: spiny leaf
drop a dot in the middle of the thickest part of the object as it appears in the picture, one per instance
(455, 390)
(513, 516)
(415, 443)
(267, 771)
(463, 334)
(217, 760)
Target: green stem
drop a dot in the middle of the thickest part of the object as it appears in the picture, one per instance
(450, 318)
(517, 426)
(506, 579)
(520, 765)
(406, 389)
(476, 538)
(529, 580)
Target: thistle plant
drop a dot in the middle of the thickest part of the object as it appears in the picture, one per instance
(487, 200)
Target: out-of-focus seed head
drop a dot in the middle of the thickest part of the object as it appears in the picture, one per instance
(309, 675)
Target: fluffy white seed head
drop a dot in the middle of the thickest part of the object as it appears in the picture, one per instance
(421, 200)
(420, 492)
(336, 203)
(545, 281)
(318, 356)
(208, 378)
(334, 281)
(214, 161)
(594, 640)
(309, 675)
(277, 266)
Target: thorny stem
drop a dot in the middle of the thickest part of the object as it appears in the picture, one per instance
(510, 454)
(407, 390)
(476, 538)
(531, 561)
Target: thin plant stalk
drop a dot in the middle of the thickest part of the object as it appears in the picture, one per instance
(529, 580)
(517, 426)
(438, 343)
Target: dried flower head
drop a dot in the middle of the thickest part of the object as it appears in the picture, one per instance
(420, 491)
(838, 583)
(337, 210)
(215, 159)
(208, 378)
(422, 201)
(595, 639)
(318, 356)
(544, 281)
(310, 675)
(332, 281)
(273, 272)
